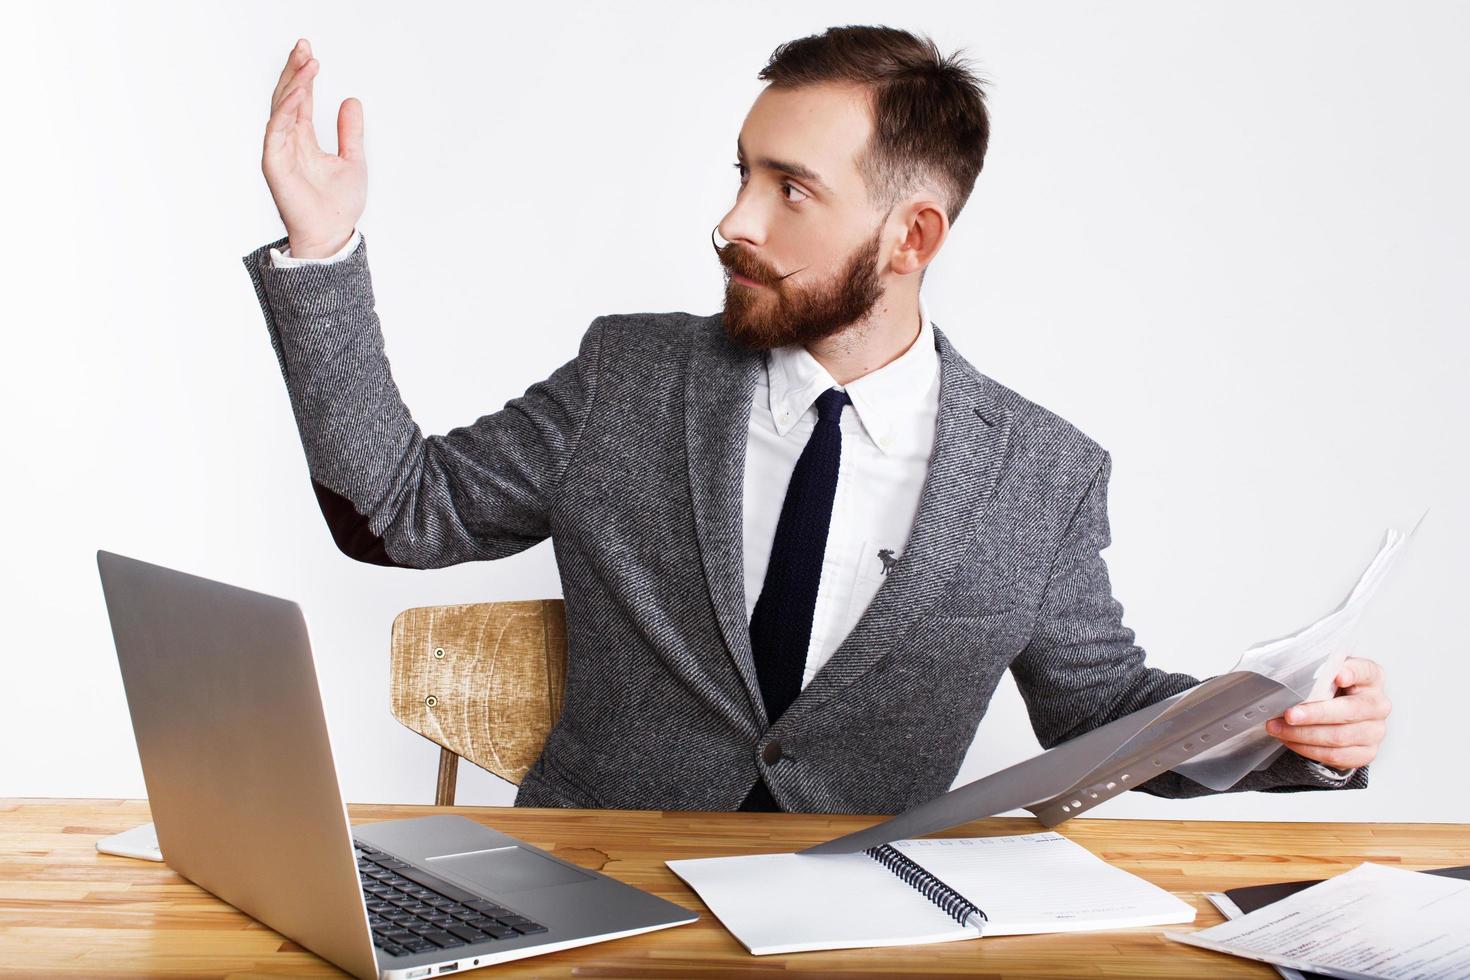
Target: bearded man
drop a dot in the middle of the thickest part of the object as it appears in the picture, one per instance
(801, 539)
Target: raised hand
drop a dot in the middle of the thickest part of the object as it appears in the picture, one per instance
(320, 195)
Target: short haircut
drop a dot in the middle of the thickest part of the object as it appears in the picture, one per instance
(929, 116)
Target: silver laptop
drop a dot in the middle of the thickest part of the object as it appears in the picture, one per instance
(223, 695)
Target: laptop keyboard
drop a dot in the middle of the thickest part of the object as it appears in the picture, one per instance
(412, 911)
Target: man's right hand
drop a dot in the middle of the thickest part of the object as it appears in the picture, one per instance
(320, 196)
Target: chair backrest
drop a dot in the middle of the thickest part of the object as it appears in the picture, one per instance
(483, 680)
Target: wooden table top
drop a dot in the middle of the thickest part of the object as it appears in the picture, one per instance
(67, 910)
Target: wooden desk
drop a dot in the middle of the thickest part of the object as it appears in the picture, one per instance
(67, 910)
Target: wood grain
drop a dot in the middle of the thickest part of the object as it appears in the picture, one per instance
(483, 680)
(66, 910)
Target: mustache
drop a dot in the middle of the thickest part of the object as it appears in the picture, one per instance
(737, 258)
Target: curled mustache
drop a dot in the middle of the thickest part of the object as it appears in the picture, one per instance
(738, 259)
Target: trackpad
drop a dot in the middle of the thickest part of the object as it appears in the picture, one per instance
(505, 869)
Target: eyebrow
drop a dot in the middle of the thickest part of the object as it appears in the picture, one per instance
(786, 166)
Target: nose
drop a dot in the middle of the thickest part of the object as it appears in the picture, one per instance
(742, 224)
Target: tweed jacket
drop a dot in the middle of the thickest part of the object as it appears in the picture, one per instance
(630, 458)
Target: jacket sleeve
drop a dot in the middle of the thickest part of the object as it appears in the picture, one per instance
(390, 495)
(1081, 668)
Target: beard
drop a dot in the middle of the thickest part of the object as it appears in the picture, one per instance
(777, 313)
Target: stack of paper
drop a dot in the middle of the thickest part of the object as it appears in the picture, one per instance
(1371, 922)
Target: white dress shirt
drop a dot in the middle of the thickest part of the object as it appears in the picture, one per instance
(887, 437)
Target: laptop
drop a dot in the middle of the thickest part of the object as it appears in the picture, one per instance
(236, 757)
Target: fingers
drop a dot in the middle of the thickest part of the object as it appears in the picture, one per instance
(299, 56)
(1362, 733)
(302, 80)
(301, 71)
(283, 117)
(1358, 672)
(349, 130)
(1370, 705)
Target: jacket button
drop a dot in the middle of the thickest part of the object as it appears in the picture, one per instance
(771, 754)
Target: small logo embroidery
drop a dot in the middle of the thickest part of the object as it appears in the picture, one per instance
(888, 560)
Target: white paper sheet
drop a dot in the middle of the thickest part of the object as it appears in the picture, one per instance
(1369, 923)
(1305, 661)
(1028, 883)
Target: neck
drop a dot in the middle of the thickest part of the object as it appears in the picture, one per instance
(889, 330)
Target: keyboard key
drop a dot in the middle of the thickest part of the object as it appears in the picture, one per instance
(501, 932)
(489, 908)
(466, 933)
(437, 885)
(393, 949)
(530, 928)
(443, 939)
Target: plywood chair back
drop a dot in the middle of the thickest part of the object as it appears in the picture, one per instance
(483, 680)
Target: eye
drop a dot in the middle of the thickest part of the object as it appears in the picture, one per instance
(792, 187)
(785, 186)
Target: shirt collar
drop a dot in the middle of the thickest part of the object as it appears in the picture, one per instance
(881, 398)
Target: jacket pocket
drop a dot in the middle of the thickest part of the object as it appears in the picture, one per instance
(970, 604)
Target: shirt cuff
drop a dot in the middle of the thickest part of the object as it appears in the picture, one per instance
(281, 258)
(1330, 772)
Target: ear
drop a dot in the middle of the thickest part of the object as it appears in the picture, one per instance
(924, 228)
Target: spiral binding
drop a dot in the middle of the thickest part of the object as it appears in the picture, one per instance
(955, 905)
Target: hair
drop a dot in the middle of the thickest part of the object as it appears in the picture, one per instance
(929, 116)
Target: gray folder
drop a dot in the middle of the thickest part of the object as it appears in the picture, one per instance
(1078, 775)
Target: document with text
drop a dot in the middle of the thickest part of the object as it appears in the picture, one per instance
(1371, 922)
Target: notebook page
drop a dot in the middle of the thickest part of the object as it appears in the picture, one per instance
(792, 903)
(1044, 883)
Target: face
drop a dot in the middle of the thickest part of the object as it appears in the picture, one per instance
(803, 261)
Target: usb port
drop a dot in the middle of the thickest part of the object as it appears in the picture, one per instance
(449, 968)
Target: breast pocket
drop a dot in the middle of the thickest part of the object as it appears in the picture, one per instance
(876, 559)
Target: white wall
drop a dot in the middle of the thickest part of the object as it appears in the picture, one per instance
(1223, 239)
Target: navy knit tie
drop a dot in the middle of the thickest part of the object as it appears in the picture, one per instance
(781, 624)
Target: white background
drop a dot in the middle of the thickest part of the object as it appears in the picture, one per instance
(1227, 240)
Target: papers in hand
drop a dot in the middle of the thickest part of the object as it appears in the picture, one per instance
(1213, 733)
(1373, 921)
(1306, 662)
(788, 903)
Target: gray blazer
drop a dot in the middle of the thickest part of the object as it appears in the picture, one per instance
(630, 458)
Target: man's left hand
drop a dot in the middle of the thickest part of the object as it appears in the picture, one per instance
(1343, 731)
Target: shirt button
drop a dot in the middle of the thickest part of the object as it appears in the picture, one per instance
(771, 754)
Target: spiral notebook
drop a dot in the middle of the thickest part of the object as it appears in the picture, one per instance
(933, 890)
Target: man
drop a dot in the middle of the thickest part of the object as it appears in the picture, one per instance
(799, 540)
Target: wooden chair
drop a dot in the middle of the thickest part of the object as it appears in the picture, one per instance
(482, 680)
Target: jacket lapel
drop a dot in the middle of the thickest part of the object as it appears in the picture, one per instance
(969, 451)
(718, 387)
